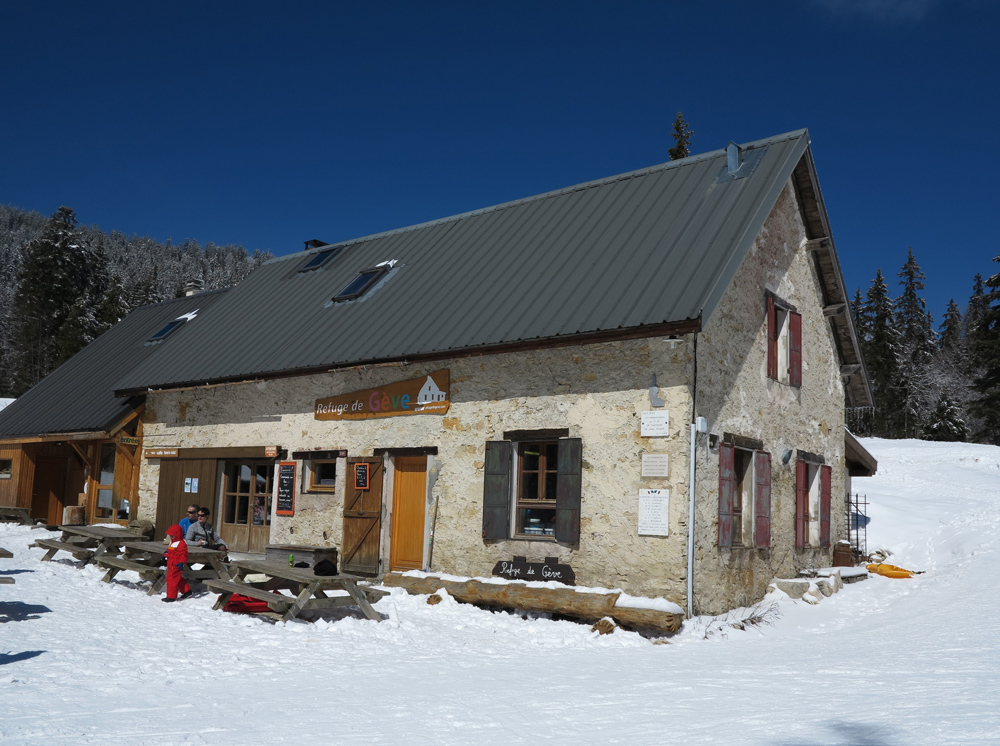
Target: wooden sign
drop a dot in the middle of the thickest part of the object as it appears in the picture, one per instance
(270, 451)
(286, 488)
(361, 474)
(128, 440)
(160, 452)
(520, 569)
(424, 395)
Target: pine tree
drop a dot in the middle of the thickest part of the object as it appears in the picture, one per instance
(986, 350)
(682, 135)
(950, 334)
(881, 348)
(946, 423)
(917, 346)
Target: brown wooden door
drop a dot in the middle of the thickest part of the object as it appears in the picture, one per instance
(48, 496)
(172, 499)
(409, 499)
(245, 521)
(362, 518)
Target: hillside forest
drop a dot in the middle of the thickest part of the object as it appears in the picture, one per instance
(62, 284)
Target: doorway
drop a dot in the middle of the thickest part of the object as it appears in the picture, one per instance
(362, 515)
(245, 523)
(409, 498)
(183, 482)
(48, 494)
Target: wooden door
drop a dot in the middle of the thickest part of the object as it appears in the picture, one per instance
(362, 518)
(409, 500)
(245, 521)
(183, 482)
(48, 489)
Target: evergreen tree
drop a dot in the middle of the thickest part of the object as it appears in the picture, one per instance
(950, 334)
(682, 135)
(986, 350)
(976, 309)
(917, 346)
(881, 350)
(946, 423)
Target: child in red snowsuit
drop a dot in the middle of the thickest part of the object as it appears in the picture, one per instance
(177, 557)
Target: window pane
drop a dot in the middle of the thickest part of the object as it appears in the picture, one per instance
(324, 473)
(536, 521)
(263, 473)
(123, 510)
(550, 485)
(107, 464)
(530, 453)
(529, 486)
(551, 456)
(230, 516)
(104, 499)
(259, 509)
(244, 487)
(242, 508)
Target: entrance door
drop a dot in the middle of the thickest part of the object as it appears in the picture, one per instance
(409, 498)
(245, 525)
(183, 482)
(48, 489)
(362, 515)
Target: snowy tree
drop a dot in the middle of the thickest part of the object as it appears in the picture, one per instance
(682, 135)
(986, 351)
(881, 349)
(946, 422)
(917, 344)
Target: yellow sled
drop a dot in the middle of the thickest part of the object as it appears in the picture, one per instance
(890, 571)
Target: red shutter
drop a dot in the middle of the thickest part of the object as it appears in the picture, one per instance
(772, 340)
(795, 349)
(825, 476)
(727, 492)
(801, 504)
(762, 499)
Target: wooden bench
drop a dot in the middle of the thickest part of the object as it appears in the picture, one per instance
(9, 513)
(115, 565)
(78, 551)
(5, 580)
(5, 553)
(251, 591)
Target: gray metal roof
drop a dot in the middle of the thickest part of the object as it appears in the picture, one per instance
(644, 248)
(78, 396)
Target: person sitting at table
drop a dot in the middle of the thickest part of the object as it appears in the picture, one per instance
(191, 517)
(201, 534)
(177, 557)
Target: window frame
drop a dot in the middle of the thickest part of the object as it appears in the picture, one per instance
(519, 501)
(748, 525)
(167, 329)
(784, 342)
(328, 255)
(6, 472)
(309, 474)
(377, 273)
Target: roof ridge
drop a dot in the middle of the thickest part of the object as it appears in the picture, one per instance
(200, 294)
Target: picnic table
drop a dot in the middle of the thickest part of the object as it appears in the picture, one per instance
(86, 543)
(146, 558)
(310, 588)
(11, 514)
(5, 554)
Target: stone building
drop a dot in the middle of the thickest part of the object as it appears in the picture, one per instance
(568, 378)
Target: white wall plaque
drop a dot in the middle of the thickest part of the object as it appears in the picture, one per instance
(655, 465)
(654, 424)
(653, 512)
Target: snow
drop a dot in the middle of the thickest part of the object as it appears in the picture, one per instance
(5, 402)
(881, 663)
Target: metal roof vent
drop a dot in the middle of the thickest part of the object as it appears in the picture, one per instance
(733, 157)
(194, 286)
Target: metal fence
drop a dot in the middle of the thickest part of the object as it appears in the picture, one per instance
(857, 523)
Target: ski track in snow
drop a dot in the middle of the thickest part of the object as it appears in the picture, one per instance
(882, 663)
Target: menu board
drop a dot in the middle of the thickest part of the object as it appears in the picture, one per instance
(361, 476)
(286, 488)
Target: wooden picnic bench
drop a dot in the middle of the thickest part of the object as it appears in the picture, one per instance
(86, 543)
(12, 514)
(6, 554)
(310, 589)
(146, 558)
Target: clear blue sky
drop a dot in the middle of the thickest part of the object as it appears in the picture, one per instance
(267, 124)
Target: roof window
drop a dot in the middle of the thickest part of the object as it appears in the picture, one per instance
(361, 284)
(171, 327)
(320, 258)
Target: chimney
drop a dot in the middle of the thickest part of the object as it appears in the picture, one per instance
(193, 287)
(315, 243)
(733, 159)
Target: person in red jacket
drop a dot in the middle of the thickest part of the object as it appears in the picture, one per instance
(177, 557)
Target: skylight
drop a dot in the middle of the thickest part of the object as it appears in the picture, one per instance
(319, 259)
(171, 327)
(362, 283)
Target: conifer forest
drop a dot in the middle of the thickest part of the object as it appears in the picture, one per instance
(62, 284)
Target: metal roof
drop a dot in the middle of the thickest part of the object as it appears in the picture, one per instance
(639, 250)
(78, 396)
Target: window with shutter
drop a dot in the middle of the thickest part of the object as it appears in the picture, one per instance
(569, 490)
(496, 489)
(772, 340)
(801, 504)
(784, 343)
(825, 502)
(795, 349)
(762, 500)
(727, 492)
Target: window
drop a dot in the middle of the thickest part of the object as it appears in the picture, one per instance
(532, 489)
(319, 259)
(171, 327)
(361, 284)
(321, 476)
(812, 502)
(784, 343)
(6, 468)
(106, 485)
(744, 494)
(248, 493)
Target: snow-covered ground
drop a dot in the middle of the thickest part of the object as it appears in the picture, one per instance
(883, 662)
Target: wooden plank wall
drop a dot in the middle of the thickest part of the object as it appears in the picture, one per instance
(16, 491)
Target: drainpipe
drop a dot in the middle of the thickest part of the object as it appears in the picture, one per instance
(697, 425)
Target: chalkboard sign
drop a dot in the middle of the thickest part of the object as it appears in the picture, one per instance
(286, 488)
(520, 569)
(361, 476)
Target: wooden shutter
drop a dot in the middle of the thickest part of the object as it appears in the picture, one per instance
(569, 490)
(496, 489)
(762, 499)
(727, 492)
(825, 501)
(772, 340)
(801, 504)
(794, 349)
(362, 519)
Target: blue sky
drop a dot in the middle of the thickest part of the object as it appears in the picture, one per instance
(266, 125)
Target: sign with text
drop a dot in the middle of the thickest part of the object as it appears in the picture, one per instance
(520, 569)
(128, 440)
(654, 424)
(286, 488)
(655, 465)
(160, 453)
(424, 395)
(361, 473)
(654, 506)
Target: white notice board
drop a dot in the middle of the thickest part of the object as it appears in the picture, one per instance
(653, 511)
(655, 465)
(654, 424)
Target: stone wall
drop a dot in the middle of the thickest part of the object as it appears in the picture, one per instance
(597, 392)
(736, 396)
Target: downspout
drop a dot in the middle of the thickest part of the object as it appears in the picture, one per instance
(694, 442)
